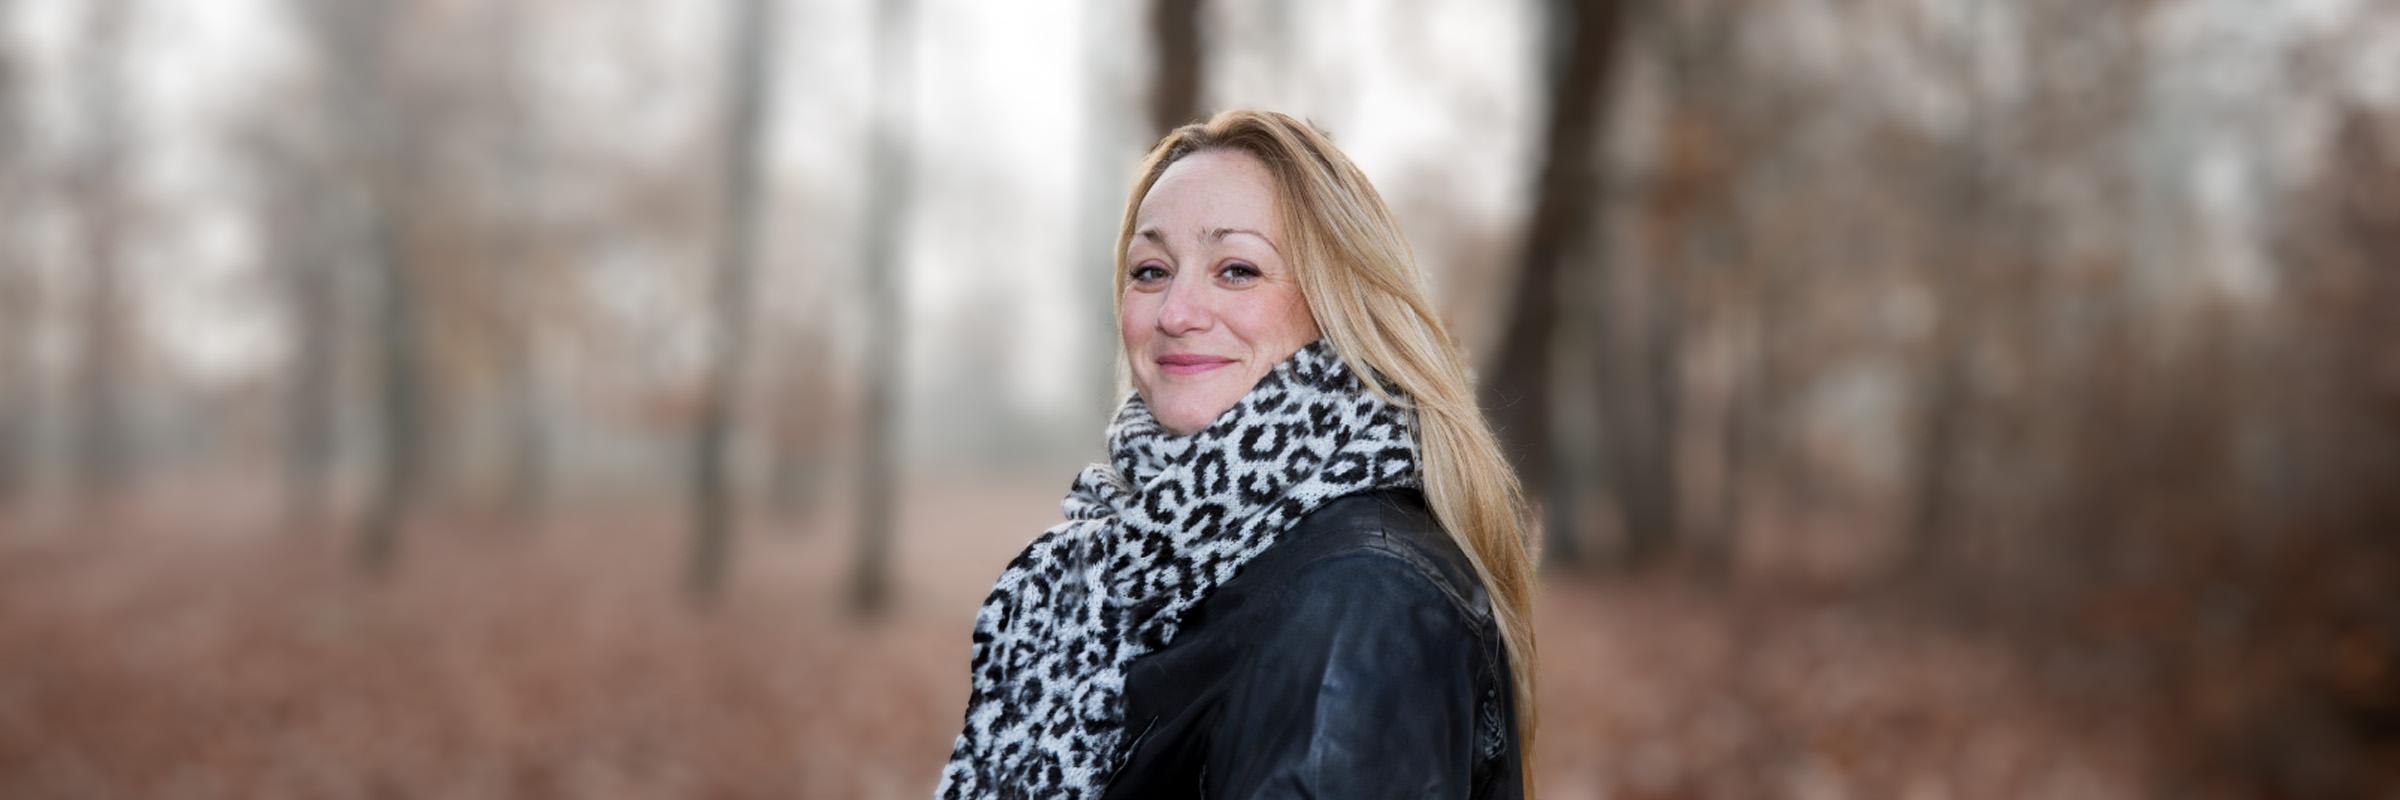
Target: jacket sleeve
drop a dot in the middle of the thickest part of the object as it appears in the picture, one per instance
(1361, 684)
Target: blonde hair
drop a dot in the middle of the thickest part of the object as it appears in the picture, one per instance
(1362, 284)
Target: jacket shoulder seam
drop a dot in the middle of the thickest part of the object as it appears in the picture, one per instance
(1377, 542)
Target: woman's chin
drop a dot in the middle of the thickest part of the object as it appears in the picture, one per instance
(1182, 425)
(1189, 417)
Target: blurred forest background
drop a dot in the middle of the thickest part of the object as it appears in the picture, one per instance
(525, 398)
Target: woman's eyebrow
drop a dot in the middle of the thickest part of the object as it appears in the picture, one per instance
(1211, 234)
(1219, 234)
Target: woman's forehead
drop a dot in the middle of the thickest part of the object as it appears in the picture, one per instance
(1211, 195)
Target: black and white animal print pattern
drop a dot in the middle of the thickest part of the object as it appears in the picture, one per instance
(1147, 537)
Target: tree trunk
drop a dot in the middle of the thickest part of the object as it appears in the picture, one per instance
(522, 245)
(1943, 412)
(1175, 30)
(529, 462)
(19, 296)
(102, 463)
(1565, 206)
(18, 378)
(1654, 503)
(1107, 127)
(352, 38)
(400, 359)
(749, 78)
(879, 452)
(311, 292)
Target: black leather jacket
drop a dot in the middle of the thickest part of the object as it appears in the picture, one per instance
(1355, 657)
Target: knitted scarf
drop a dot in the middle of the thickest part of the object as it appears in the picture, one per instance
(1147, 536)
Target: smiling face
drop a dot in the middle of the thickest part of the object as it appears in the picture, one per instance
(1209, 303)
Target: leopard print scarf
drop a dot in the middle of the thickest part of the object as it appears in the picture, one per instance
(1147, 537)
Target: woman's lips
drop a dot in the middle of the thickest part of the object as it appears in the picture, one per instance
(1190, 364)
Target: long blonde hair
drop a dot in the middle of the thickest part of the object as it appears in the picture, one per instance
(1361, 281)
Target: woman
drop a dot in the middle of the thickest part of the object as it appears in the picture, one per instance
(1288, 579)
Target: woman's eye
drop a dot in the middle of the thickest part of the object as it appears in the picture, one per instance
(1147, 273)
(1238, 272)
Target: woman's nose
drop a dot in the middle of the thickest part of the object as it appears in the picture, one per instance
(1185, 309)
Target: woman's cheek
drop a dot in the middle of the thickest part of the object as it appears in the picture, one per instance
(1132, 310)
